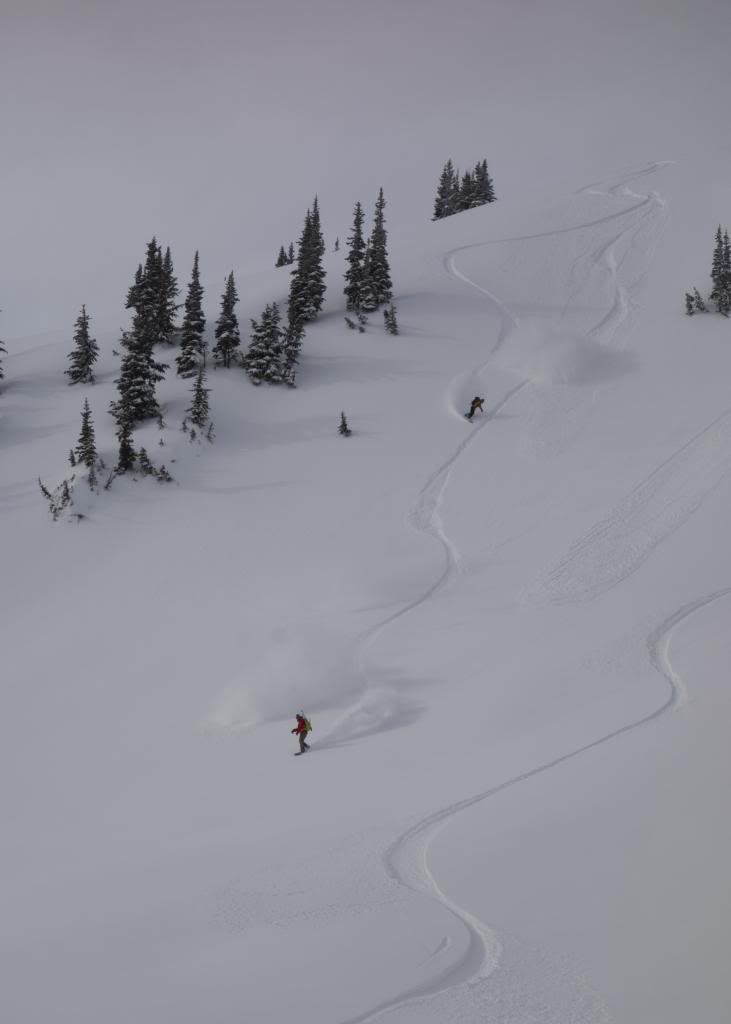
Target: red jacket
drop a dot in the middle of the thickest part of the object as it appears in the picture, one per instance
(301, 726)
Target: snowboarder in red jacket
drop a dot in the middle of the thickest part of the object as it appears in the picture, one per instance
(302, 729)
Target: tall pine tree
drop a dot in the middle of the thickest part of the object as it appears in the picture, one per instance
(317, 274)
(721, 273)
(139, 371)
(192, 345)
(127, 455)
(484, 188)
(378, 270)
(199, 410)
(134, 292)
(307, 288)
(466, 192)
(447, 196)
(83, 357)
(228, 338)
(85, 450)
(355, 275)
(282, 260)
(299, 305)
(717, 266)
(725, 306)
(168, 293)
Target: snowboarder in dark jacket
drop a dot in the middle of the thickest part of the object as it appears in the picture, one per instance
(475, 404)
(302, 729)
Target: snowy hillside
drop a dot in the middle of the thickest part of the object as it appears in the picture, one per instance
(511, 636)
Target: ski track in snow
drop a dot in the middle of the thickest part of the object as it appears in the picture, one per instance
(406, 859)
(622, 540)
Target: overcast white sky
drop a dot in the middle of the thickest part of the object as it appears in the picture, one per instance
(212, 124)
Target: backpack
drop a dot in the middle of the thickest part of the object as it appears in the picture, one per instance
(308, 723)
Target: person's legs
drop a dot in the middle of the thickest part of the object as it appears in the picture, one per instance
(303, 745)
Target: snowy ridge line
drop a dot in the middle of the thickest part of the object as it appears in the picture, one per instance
(406, 860)
(618, 544)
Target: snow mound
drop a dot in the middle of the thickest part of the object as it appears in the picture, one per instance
(549, 356)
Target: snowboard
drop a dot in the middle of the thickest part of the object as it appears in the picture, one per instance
(298, 753)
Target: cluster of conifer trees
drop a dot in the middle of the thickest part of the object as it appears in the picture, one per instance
(368, 277)
(720, 293)
(286, 256)
(454, 193)
(273, 353)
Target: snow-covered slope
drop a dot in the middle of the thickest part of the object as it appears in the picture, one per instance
(511, 636)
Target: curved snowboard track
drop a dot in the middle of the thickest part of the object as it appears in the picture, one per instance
(406, 860)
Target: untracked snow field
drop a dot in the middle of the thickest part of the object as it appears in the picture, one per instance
(511, 636)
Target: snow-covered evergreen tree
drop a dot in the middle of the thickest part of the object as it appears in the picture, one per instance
(466, 192)
(344, 430)
(127, 455)
(484, 184)
(291, 350)
(290, 253)
(724, 303)
(474, 188)
(139, 371)
(307, 288)
(228, 338)
(151, 286)
(168, 293)
(199, 410)
(192, 345)
(356, 282)
(282, 260)
(84, 355)
(154, 291)
(316, 276)
(389, 316)
(378, 270)
(447, 196)
(3, 351)
(144, 463)
(86, 445)
(299, 305)
(265, 360)
(134, 292)
(717, 267)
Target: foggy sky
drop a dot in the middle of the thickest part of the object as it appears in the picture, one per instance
(213, 124)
